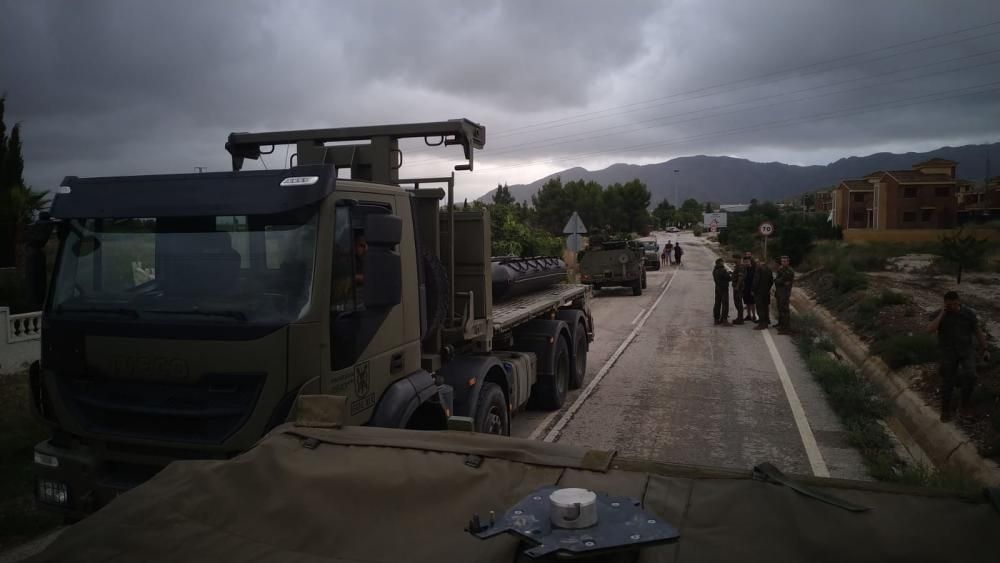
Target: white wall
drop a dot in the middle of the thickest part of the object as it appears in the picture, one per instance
(20, 340)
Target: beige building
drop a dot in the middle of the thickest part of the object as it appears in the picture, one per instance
(924, 197)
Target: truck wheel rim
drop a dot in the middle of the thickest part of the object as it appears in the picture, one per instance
(494, 422)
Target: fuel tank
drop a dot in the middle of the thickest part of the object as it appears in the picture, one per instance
(514, 276)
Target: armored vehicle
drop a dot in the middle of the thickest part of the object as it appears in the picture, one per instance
(614, 263)
(312, 492)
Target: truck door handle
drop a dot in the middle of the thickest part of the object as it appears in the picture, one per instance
(396, 363)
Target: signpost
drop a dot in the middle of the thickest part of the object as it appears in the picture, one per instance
(720, 220)
(765, 229)
(574, 228)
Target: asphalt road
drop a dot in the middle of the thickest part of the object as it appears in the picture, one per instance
(681, 389)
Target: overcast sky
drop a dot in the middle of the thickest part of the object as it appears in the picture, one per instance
(130, 87)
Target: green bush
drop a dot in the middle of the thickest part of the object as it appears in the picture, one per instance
(847, 279)
(796, 242)
(902, 350)
(697, 230)
(891, 297)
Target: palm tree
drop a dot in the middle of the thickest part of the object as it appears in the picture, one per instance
(25, 203)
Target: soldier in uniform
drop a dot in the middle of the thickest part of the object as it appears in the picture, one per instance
(738, 277)
(956, 326)
(721, 309)
(763, 279)
(749, 271)
(783, 280)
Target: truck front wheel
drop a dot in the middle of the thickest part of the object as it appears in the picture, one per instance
(551, 389)
(492, 416)
(637, 288)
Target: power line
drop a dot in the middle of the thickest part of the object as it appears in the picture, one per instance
(816, 117)
(630, 128)
(538, 126)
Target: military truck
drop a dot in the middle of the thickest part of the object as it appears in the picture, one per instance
(188, 312)
(651, 254)
(614, 263)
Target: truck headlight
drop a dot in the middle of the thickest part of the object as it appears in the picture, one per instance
(46, 460)
(53, 492)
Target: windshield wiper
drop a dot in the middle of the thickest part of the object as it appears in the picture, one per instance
(110, 310)
(233, 314)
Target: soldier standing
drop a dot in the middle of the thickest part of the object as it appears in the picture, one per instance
(763, 279)
(783, 293)
(669, 251)
(749, 269)
(956, 326)
(739, 276)
(721, 309)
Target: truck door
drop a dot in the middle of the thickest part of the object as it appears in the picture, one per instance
(369, 348)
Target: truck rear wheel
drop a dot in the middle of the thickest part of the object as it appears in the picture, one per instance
(644, 281)
(492, 416)
(637, 288)
(550, 391)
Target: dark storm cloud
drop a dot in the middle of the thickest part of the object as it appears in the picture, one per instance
(140, 87)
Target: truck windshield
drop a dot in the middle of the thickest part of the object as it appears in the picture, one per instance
(227, 269)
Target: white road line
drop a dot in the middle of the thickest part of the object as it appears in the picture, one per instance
(819, 468)
(553, 435)
(641, 311)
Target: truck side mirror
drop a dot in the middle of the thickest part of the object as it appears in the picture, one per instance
(383, 285)
(382, 229)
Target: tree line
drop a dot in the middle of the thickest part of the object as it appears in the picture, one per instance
(18, 202)
(619, 210)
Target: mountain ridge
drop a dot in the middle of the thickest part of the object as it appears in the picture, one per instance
(728, 179)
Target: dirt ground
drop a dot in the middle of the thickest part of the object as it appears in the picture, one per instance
(979, 291)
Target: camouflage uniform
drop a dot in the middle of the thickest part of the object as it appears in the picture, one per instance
(783, 292)
(956, 341)
(739, 276)
(721, 309)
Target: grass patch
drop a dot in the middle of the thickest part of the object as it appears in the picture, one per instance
(20, 519)
(861, 406)
(903, 350)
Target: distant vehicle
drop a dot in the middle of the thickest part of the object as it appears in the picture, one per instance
(673, 230)
(614, 263)
(652, 254)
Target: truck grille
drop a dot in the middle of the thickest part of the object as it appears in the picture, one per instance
(204, 412)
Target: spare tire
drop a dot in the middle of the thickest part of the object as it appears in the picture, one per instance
(436, 283)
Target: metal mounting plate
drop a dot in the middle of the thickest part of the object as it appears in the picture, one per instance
(621, 525)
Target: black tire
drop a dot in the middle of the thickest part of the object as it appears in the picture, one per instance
(492, 416)
(637, 288)
(550, 391)
(436, 281)
(643, 281)
(580, 347)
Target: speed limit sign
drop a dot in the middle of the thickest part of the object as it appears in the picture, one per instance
(766, 229)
